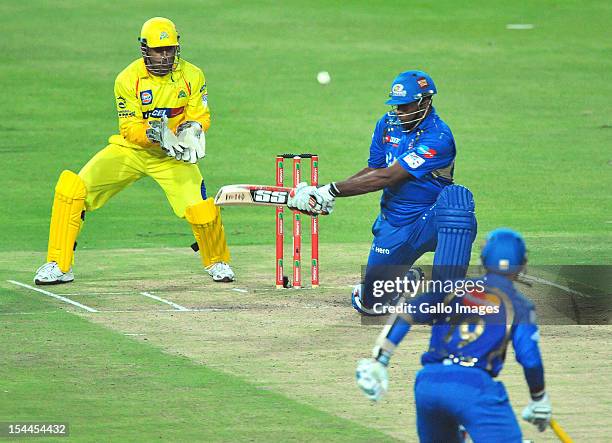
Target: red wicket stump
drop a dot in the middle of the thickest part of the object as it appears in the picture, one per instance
(281, 280)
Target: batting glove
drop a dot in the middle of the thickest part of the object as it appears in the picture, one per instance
(326, 198)
(301, 198)
(538, 413)
(193, 141)
(372, 378)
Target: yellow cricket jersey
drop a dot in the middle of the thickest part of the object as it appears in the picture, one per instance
(180, 95)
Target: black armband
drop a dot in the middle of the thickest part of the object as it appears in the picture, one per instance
(333, 190)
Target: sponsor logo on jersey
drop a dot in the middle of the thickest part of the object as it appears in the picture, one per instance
(413, 160)
(479, 297)
(205, 100)
(121, 102)
(398, 90)
(160, 112)
(380, 250)
(125, 114)
(394, 140)
(426, 152)
(422, 82)
(182, 94)
(146, 97)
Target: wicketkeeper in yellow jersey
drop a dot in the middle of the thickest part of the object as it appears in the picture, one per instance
(163, 117)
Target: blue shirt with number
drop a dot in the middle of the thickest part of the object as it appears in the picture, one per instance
(471, 338)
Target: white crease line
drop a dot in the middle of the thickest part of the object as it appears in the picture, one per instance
(519, 26)
(555, 285)
(240, 290)
(168, 302)
(121, 311)
(139, 311)
(98, 293)
(51, 294)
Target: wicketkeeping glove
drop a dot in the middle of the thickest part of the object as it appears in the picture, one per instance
(160, 132)
(538, 413)
(372, 378)
(193, 141)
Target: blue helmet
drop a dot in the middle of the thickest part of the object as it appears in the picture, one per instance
(411, 86)
(504, 252)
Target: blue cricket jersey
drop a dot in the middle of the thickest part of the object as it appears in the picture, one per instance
(479, 341)
(427, 153)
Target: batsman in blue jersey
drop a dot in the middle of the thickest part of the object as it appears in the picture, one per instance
(469, 337)
(412, 158)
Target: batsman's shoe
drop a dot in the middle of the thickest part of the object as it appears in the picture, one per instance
(357, 304)
(51, 274)
(221, 272)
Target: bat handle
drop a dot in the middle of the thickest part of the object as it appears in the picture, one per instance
(560, 432)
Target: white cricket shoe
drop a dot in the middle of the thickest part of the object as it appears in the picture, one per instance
(221, 272)
(51, 274)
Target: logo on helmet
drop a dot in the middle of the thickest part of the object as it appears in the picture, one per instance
(422, 82)
(398, 90)
(163, 35)
(504, 264)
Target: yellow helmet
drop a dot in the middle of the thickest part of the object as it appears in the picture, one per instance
(159, 32)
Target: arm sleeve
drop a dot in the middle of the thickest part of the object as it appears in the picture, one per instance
(377, 152)
(132, 126)
(525, 341)
(197, 106)
(432, 152)
(399, 325)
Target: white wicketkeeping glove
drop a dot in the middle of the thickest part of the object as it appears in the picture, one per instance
(160, 132)
(372, 378)
(193, 141)
(538, 413)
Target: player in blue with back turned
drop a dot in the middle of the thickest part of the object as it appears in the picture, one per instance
(412, 157)
(466, 351)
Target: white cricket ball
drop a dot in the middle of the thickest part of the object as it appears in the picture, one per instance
(323, 78)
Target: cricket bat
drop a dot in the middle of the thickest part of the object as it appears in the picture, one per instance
(560, 432)
(252, 195)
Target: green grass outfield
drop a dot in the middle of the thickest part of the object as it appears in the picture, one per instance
(57, 367)
(529, 110)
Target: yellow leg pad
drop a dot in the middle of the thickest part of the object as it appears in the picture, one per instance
(68, 205)
(205, 220)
